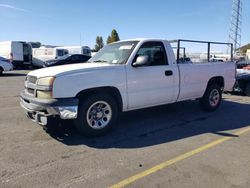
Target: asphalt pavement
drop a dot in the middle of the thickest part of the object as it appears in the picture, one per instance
(176, 145)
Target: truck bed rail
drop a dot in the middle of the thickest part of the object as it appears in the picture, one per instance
(179, 47)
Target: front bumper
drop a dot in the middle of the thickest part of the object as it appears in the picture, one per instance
(39, 110)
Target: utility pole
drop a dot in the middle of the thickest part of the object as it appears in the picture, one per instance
(235, 24)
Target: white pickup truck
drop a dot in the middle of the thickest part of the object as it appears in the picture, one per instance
(123, 76)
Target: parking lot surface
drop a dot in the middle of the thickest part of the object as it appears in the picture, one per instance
(176, 145)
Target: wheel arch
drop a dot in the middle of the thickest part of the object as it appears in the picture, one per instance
(219, 80)
(113, 91)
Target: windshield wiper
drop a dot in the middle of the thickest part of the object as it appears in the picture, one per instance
(98, 61)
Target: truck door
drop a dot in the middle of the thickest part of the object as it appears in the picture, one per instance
(154, 83)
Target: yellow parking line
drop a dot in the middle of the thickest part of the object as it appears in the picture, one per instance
(167, 163)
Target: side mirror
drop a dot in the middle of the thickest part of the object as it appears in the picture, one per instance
(141, 61)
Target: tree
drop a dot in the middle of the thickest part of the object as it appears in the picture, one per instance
(99, 43)
(113, 37)
(109, 40)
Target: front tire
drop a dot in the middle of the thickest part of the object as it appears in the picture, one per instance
(96, 115)
(212, 98)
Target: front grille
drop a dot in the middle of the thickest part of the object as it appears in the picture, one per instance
(31, 91)
(31, 79)
(30, 85)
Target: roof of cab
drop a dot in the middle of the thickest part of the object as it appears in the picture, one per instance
(143, 39)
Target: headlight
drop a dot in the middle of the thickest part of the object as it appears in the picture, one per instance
(46, 81)
(44, 94)
(45, 89)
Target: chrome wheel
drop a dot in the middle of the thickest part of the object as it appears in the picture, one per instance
(99, 115)
(214, 97)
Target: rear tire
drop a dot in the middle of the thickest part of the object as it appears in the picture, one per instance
(212, 98)
(247, 90)
(96, 115)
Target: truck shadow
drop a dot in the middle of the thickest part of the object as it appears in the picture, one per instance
(159, 125)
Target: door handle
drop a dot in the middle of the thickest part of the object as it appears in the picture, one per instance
(168, 73)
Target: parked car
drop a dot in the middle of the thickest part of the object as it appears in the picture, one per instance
(18, 52)
(37, 63)
(68, 59)
(242, 64)
(122, 76)
(84, 50)
(5, 65)
(242, 83)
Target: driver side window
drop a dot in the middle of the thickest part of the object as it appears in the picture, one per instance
(155, 51)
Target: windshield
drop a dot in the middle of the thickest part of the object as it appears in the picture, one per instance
(116, 53)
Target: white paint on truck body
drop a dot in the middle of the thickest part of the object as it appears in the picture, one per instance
(140, 87)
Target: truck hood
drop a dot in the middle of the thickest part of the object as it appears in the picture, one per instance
(68, 69)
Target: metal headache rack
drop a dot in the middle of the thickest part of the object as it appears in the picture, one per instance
(179, 47)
